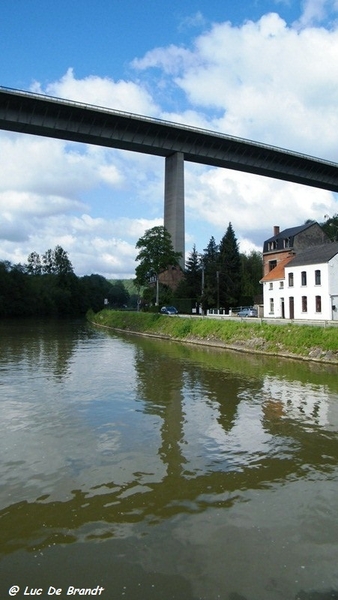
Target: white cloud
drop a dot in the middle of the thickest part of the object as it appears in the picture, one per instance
(194, 20)
(252, 204)
(49, 166)
(316, 11)
(265, 80)
(94, 245)
(101, 91)
(171, 60)
(262, 80)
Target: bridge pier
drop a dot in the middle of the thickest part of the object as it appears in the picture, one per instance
(174, 201)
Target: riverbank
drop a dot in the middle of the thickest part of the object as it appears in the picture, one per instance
(292, 341)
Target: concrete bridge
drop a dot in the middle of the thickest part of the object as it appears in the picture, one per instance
(35, 114)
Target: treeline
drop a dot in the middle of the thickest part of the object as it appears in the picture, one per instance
(47, 286)
(219, 277)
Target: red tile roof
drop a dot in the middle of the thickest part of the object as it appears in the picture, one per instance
(278, 271)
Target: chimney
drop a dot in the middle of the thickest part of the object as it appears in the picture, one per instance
(276, 230)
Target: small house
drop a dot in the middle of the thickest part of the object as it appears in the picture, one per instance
(301, 281)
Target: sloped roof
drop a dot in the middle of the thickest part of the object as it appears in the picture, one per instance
(315, 255)
(278, 272)
(291, 231)
(287, 234)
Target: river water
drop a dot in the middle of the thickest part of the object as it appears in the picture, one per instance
(142, 469)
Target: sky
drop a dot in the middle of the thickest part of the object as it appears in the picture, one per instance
(264, 70)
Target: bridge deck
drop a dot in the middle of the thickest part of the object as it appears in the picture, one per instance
(52, 117)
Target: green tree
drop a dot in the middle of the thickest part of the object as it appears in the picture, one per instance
(330, 226)
(47, 262)
(251, 274)
(190, 286)
(193, 274)
(34, 266)
(156, 254)
(118, 295)
(61, 262)
(210, 267)
(95, 289)
(54, 262)
(229, 270)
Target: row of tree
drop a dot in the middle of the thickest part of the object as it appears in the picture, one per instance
(48, 286)
(220, 276)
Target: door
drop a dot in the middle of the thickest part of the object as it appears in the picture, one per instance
(292, 307)
(282, 307)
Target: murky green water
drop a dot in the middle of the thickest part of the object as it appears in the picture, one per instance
(156, 470)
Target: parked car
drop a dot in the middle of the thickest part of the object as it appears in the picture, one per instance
(248, 312)
(169, 310)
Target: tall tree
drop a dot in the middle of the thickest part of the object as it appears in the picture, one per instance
(156, 254)
(34, 266)
(54, 262)
(330, 226)
(47, 262)
(118, 295)
(193, 274)
(210, 268)
(61, 262)
(251, 274)
(229, 270)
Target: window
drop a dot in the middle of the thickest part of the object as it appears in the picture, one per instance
(281, 285)
(304, 303)
(303, 277)
(272, 306)
(290, 279)
(272, 246)
(317, 277)
(318, 304)
(272, 264)
(286, 242)
(270, 286)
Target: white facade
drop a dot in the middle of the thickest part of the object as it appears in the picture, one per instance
(307, 291)
(274, 298)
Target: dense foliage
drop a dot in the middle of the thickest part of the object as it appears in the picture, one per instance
(330, 226)
(48, 286)
(156, 254)
(222, 277)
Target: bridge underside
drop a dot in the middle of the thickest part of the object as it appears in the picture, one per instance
(51, 117)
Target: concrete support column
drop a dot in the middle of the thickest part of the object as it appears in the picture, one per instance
(174, 201)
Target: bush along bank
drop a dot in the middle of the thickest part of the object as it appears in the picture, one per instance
(294, 341)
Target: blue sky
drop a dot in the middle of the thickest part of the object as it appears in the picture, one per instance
(265, 70)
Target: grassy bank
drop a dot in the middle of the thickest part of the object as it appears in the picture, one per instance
(300, 341)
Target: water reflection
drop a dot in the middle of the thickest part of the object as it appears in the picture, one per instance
(230, 458)
(43, 346)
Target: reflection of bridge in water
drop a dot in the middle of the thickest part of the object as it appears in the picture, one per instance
(24, 112)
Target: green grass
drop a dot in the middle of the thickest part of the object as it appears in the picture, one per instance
(298, 340)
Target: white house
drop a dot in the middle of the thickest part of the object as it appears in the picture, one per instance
(304, 285)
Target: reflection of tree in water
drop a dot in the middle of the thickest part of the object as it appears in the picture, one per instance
(36, 344)
(162, 381)
(163, 373)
